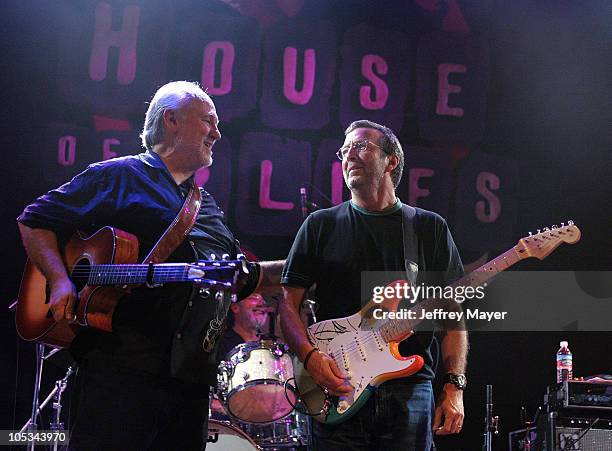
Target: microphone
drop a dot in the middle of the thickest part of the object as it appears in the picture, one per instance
(303, 202)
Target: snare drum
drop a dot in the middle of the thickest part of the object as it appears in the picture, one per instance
(223, 436)
(251, 382)
(291, 432)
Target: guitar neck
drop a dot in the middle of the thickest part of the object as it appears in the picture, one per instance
(395, 329)
(137, 274)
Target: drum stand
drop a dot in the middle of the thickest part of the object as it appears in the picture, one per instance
(56, 394)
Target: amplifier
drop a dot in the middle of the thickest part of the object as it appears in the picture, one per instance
(555, 433)
(572, 439)
(580, 395)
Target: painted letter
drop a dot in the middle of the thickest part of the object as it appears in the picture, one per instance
(337, 183)
(104, 38)
(414, 174)
(381, 89)
(265, 183)
(290, 75)
(445, 89)
(107, 153)
(484, 182)
(66, 150)
(209, 65)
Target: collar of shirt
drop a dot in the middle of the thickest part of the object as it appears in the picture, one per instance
(152, 159)
(395, 207)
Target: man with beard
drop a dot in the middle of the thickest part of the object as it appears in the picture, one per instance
(250, 318)
(145, 385)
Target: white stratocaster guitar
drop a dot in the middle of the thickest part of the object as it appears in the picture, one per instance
(367, 349)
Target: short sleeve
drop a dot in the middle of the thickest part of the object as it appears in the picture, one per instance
(446, 257)
(300, 266)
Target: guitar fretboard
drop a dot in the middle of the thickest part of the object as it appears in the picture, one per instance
(395, 329)
(132, 274)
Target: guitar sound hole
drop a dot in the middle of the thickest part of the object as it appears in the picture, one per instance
(80, 273)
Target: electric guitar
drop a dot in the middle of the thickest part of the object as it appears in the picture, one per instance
(367, 349)
(103, 268)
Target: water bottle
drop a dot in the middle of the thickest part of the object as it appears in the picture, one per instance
(564, 363)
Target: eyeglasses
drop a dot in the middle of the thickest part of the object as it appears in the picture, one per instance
(360, 146)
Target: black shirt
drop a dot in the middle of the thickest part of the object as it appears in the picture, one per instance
(158, 330)
(335, 245)
(230, 340)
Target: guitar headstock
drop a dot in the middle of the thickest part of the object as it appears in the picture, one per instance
(546, 240)
(220, 272)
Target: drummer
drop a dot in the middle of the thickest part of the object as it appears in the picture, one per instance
(248, 319)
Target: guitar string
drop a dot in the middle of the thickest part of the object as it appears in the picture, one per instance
(488, 271)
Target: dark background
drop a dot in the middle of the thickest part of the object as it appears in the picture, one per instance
(548, 108)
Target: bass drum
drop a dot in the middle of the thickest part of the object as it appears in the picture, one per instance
(251, 382)
(222, 436)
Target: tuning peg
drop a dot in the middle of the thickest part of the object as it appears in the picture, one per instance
(570, 223)
(530, 234)
(225, 257)
(213, 257)
(546, 229)
(554, 226)
(539, 230)
(562, 224)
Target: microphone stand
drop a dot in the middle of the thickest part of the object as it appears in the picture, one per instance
(55, 394)
(491, 422)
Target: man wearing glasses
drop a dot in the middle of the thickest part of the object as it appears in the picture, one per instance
(332, 248)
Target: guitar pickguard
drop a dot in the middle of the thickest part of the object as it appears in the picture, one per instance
(363, 355)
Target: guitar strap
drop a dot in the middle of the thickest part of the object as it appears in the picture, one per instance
(178, 229)
(410, 238)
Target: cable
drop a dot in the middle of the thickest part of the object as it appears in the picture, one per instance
(299, 400)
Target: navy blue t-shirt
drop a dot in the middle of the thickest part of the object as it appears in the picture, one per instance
(157, 330)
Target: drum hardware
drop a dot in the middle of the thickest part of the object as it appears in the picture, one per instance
(287, 433)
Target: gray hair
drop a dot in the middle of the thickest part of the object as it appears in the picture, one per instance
(171, 96)
(389, 144)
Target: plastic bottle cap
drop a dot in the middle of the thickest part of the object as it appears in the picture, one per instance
(563, 344)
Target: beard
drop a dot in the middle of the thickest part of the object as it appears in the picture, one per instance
(365, 177)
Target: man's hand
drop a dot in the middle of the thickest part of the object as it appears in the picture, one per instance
(42, 249)
(62, 299)
(450, 407)
(326, 374)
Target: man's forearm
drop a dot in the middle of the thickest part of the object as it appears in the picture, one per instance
(293, 329)
(269, 279)
(42, 249)
(454, 351)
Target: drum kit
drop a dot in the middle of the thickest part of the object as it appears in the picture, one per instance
(254, 387)
(263, 411)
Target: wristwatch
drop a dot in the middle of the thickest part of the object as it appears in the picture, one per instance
(458, 380)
